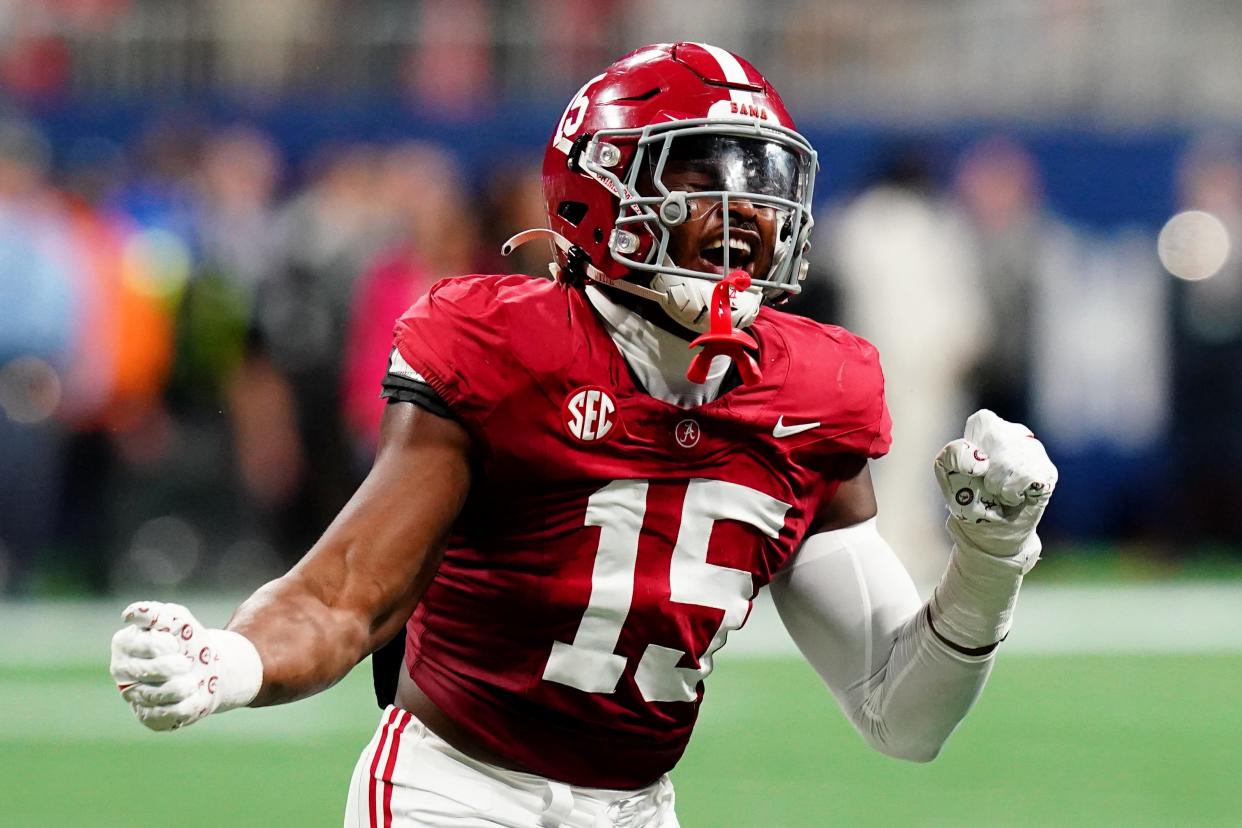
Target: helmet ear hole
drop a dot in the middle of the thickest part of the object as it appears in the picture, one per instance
(572, 211)
(599, 234)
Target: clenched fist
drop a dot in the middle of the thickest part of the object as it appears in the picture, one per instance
(996, 482)
(173, 671)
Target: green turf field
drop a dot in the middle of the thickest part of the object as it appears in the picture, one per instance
(1056, 740)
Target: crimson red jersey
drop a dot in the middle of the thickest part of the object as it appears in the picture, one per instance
(611, 541)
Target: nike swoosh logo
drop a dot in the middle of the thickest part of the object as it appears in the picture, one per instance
(782, 430)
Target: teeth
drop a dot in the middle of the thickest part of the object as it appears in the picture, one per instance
(734, 244)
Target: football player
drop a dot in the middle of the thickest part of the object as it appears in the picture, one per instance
(582, 483)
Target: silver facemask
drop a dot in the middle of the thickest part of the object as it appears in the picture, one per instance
(718, 162)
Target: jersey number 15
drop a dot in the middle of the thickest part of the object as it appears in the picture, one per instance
(590, 663)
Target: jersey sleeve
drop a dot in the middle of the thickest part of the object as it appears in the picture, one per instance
(865, 426)
(879, 432)
(455, 340)
(403, 384)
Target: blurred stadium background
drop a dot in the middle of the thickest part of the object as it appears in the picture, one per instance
(211, 210)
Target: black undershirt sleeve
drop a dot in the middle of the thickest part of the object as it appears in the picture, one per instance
(397, 388)
(386, 664)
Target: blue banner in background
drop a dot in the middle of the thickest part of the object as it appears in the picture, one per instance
(1096, 177)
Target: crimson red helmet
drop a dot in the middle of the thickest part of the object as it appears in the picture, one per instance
(668, 101)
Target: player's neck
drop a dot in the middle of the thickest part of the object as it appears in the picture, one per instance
(657, 357)
(649, 311)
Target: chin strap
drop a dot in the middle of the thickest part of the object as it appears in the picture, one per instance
(722, 339)
(577, 258)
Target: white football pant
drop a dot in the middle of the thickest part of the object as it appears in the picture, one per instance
(408, 777)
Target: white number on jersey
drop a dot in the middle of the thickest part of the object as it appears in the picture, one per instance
(590, 663)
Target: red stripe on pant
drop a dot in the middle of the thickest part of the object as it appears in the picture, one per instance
(379, 751)
(386, 779)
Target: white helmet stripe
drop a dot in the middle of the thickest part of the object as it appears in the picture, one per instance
(733, 72)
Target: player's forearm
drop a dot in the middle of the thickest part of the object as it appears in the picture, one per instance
(306, 644)
(996, 481)
(314, 624)
(973, 605)
(940, 657)
(921, 694)
(360, 582)
(303, 632)
(902, 687)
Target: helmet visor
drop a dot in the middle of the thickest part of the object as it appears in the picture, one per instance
(734, 164)
(685, 171)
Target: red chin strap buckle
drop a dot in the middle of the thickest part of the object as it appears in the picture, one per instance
(721, 339)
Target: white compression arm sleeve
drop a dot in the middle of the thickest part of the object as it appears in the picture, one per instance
(853, 611)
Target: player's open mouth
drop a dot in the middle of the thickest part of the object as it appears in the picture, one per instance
(743, 250)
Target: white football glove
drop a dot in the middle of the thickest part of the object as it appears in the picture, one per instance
(996, 481)
(173, 671)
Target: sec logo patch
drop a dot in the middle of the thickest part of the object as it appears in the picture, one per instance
(590, 414)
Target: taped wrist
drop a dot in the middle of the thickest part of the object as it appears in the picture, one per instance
(973, 604)
(996, 540)
(240, 670)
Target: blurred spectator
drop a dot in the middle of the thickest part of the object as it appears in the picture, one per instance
(37, 306)
(261, 45)
(159, 190)
(450, 68)
(425, 193)
(241, 170)
(1100, 382)
(236, 252)
(908, 282)
(122, 355)
(326, 233)
(35, 279)
(1079, 349)
(513, 202)
(573, 37)
(1208, 330)
(998, 186)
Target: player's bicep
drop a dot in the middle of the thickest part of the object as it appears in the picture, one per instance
(378, 555)
(843, 599)
(854, 499)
